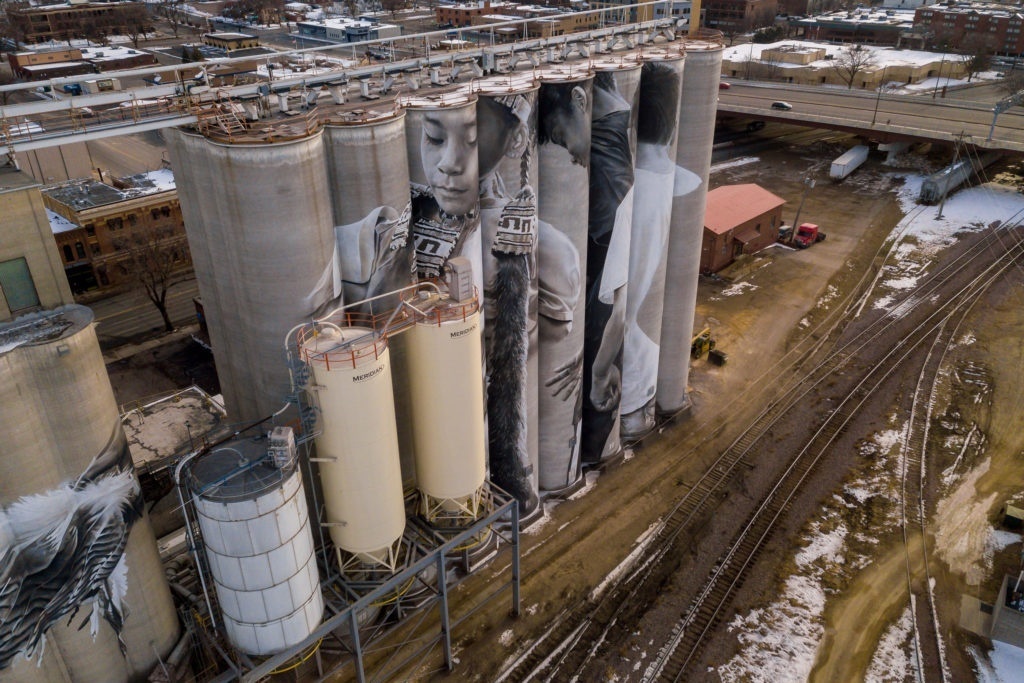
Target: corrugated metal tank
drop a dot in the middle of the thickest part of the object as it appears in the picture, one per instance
(357, 443)
(507, 127)
(369, 189)
(447, 396)
(563, 135)
(63, 451)
(612, 155)
(657, 179)
(259, 547)
(263, 259)
(698, 106)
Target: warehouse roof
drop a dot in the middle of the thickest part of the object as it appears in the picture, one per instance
(732, 205)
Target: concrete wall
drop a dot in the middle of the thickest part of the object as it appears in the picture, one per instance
(25, 232)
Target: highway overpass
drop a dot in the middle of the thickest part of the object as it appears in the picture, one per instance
(877, 116)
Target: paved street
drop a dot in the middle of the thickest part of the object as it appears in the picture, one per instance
(131, 316)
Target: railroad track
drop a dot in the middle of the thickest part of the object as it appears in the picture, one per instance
(576, 633)
(709, 607)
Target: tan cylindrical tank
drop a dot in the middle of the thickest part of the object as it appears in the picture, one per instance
(66, 466)
(447, 394)
(358, 443)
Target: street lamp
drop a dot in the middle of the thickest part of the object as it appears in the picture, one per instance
(878, 97)
(939, 77)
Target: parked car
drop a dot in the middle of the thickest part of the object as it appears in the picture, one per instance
(722, 85)
(784, 106)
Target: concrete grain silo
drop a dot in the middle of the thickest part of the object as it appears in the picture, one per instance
(259, 225)
(612, 158)
(368, 176)
(357, 443)
(507, 151)
(259, 548)
(656, 182)
(563, 136)
(76, 546)
(698, 106)
(447, 400)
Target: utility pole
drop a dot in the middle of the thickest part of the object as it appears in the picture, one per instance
(808, 184)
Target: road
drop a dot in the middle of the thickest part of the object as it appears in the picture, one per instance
(900, 115)
(131, 315)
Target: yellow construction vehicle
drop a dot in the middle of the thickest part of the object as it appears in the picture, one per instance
(701, 343)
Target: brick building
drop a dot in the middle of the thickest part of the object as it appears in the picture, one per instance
(95, 225)
(739, 16)
(998, 28)
(58, 22)
(739, 219)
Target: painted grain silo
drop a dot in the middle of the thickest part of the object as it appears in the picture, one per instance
(264, 260)
(612, 154)
(507, 152)
(698, 105)
(441, 143)
(76, 545)
(369, 189)
(259, 548)
(563, 137)
(656, 182)
(447, 398)
(357, 445)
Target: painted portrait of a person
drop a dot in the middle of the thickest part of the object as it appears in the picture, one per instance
(611, 209)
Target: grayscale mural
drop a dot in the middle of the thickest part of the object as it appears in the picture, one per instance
(655, 180)
(507, 152)
(64, 550)
(612, 150)
(563, 136)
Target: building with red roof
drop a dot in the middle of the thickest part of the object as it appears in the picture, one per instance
(739, 219)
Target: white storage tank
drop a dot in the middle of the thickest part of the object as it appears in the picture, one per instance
(259, 547)
(446, 387)
(357, 444)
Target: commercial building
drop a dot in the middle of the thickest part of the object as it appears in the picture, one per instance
(96, 226)
(31, 275)
(342, 30)
(230, 42)
(992, 27)
(862, 26)
(740, 219)
(739, 16)
(62, 21)
(54, 63)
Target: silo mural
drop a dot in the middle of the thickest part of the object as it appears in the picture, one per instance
(612, 152)
(563, 136)
(698, 103)
(507, 153)
(655, 182)
(441, 143)
(82, 589)
(369, 190)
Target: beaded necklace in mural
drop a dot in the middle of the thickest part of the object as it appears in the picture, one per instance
(437, 235)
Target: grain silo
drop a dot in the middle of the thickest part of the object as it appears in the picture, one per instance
(697, 108)
(357, 444)
(74, 536)
(656, 179)
(506, 117)
(263, 259)
(612, 153)
(369, 189)
(447, 400)
(252, 514)
(563, 137)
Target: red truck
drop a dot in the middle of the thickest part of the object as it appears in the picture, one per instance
(806, 235)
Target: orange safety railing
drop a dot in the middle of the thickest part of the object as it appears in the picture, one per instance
(350, 353)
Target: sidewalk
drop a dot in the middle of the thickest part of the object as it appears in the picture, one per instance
(128, 350)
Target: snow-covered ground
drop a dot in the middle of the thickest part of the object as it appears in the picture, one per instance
(779, 642)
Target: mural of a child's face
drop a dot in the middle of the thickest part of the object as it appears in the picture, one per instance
(448, 150)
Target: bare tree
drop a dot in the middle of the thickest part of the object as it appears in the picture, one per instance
(171, 10)
(156, 257)
(1013, 83)
(392, 6)
(137, 22)
(851, 61)
(975, 51)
